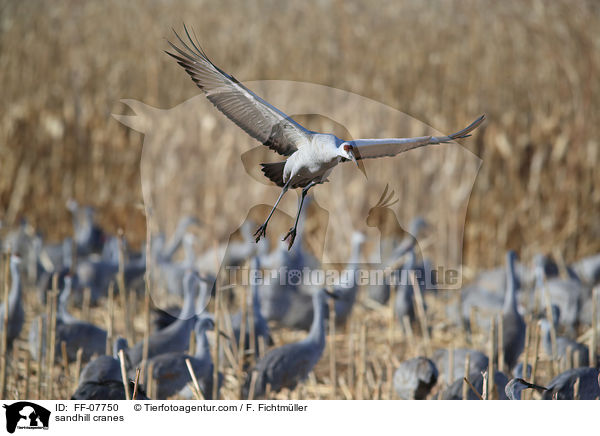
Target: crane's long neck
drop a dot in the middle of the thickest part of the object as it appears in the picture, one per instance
(350, 286)
(317, 329)
(515, 393)
(187, 317)
(354, 255)
(190, 255)
(546, 337)
(84, 227)
(175, 240)
(202, 345)
(202, 300)
(67, 252)
(510, 298)
(14, 297)
(188, 310)
(255, 299)
(62, 311)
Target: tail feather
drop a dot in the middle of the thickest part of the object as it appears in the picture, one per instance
(274, 172)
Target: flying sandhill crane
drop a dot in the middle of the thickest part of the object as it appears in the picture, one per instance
(311, 156)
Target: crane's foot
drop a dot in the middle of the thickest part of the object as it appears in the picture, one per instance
(260, 232)
(289, 237)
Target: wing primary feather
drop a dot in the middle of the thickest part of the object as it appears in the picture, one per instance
(254, 115)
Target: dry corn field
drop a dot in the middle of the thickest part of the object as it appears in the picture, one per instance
(527, 181)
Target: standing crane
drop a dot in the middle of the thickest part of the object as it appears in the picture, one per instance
(512, 321)
(169, 370)
(175, 337)
(285, 366)
(16, 314)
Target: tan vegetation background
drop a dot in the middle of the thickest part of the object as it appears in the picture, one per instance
(532, 67)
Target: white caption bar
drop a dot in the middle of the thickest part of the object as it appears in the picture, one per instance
(296, 417)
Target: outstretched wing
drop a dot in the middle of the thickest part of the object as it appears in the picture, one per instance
(255, 116)
(372, 148)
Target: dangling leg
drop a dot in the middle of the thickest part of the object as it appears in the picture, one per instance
(291, 235)
(262, 230)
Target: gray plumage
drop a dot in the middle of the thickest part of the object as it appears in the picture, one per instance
(380, 291)
(478, 362)
(588, 269)
(311, 156)
(300, 313)
(486, 304)
(16, 314)
(276, 293)
(232, 253)
(454, 391)
(88, 236)
(175, 337)
(566, 293)
(414, 378)
(517, 371)
(486, 293)
(169, 371)
(97, 274)
(164, 318)
(512, 322)
(404, 300)
(515, 386)
(74, 332)
(562, 386)
(261, 327)
(104, 368)
(346, 292)
(106, 390)
(170, 273)
(285, 366)
(580, 351)
(168, 249)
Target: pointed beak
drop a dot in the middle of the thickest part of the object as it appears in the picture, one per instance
(533, 386)
(351, 154)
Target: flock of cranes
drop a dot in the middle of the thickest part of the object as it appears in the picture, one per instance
(166, 361)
